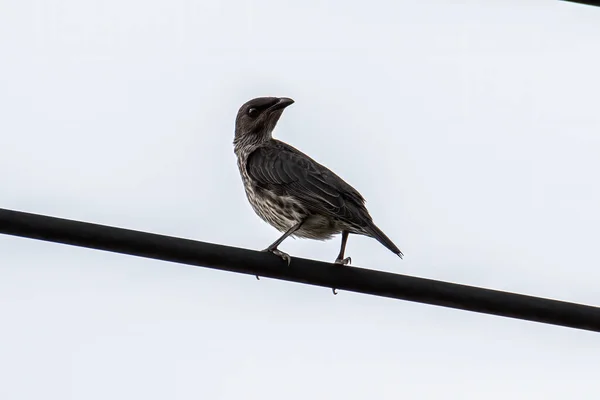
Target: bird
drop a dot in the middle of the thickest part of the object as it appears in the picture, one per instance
(291, 191)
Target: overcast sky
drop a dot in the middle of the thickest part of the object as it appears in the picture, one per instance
(472, 130)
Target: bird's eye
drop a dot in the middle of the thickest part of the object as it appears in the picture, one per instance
(253, 112)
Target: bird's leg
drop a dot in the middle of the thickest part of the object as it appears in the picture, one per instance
(273, 247)
(340, 258)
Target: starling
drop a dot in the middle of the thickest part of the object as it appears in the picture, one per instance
(291, 191)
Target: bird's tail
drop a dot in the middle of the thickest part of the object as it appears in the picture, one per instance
(376, 233)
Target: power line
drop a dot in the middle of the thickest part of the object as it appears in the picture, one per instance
(586, 2)
(301, 270)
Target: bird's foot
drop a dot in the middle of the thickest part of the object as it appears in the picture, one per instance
(340, 261)
(279, 253)
(345, 261)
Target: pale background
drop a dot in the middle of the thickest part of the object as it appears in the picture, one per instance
(472, 129)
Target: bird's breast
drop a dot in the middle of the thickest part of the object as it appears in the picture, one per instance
(281, 212)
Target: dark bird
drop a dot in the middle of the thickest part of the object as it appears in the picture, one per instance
(290, 190)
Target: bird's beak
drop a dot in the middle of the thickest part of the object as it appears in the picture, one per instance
(282, 103)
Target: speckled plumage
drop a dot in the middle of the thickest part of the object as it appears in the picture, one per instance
(282, 210)
(285, 187)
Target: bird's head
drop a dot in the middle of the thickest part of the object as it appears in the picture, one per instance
(257, 118)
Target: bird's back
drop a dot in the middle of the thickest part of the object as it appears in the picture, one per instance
(286, 171)
(331, 177)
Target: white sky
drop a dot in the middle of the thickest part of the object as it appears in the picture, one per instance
(472, 129)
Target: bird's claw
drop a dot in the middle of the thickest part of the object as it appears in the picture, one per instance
(339, 261)
(279, 253)
(345, 261)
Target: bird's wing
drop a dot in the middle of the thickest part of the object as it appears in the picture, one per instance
(286, 171)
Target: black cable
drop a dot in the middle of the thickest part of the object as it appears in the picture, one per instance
(301, 270)
(587, 2)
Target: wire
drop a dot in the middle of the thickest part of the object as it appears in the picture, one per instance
(301, 270)
(586, 2)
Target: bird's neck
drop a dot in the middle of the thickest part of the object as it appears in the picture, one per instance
(246, 144)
